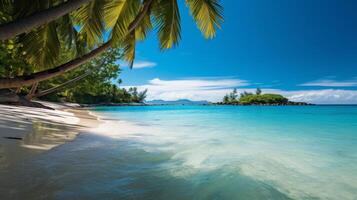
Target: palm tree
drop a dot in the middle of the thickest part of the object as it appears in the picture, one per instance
(226, 99)
(258, 91)
(28, 23)
(128, 21)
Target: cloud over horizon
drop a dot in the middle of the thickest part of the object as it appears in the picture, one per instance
(325, 96)
(331, 83)
(194, 89)
(213, 89)
(141, 64)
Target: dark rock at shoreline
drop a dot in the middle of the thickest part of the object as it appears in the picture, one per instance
(299, 103)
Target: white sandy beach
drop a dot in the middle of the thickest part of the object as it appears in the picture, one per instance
(27, 131)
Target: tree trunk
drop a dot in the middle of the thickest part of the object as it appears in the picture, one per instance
(23, 25)
(50, 73)
(29, 96)
(18, 90)
(140, 16)
(59, 87)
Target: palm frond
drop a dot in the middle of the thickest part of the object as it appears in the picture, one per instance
(118, 16)
(80, 44)
(207, 14)
(167, 19)
(70, 37)
(6, 9)
(112, 11)
(5, 4)
(42, 46)
(66, 30)
(129, 49)
(89, 18)
(144, 27)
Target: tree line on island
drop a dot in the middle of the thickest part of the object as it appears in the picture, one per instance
(257, 98)
(55, 49)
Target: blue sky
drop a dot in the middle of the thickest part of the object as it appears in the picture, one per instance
(304, 49)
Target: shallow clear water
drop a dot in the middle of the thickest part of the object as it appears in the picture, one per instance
(201, 152)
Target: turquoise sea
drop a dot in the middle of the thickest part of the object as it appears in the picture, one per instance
(202, 152)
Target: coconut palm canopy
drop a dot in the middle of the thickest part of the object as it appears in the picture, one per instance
(81, 31)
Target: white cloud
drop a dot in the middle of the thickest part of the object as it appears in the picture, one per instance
(327, 96)
(197, 84)
(140, 64)
(194, 89)
(143, 64)
(331, 83)
(214, 89)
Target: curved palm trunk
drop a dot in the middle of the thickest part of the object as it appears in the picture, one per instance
(14, 28)
(61, 86)
(140, 16)
(50, 73)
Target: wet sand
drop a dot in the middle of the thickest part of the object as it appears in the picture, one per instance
(27, 131)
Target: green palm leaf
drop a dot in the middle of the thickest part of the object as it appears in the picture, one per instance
(71, 39)
(129, 49)
(143, 28)
(167, 19)
(5, 11)
(207, 14)
(89, 18)
(118, 16)
(41, 46)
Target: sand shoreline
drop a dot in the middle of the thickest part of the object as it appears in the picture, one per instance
(27, 131)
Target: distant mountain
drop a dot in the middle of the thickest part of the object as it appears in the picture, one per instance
(177, 102)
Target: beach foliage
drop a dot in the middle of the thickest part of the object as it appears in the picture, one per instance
(98, 79)
(101, 85)
(93, 28)
(247, 98)
(11, 62)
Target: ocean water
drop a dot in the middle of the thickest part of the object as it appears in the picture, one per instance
(201, 152)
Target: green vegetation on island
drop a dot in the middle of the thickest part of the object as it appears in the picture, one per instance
(257, 98)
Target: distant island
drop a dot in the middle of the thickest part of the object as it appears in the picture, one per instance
(176, 102)
(247, 98)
